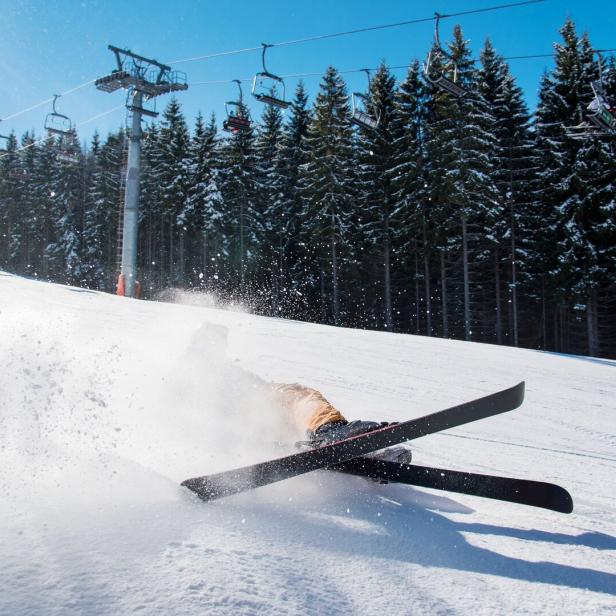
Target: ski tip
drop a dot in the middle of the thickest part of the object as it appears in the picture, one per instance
(565, 502)
(518, 392)
(522, 386)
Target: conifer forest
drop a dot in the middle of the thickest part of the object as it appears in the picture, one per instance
(472, 218)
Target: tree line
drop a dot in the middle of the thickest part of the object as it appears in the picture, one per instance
(465, 217)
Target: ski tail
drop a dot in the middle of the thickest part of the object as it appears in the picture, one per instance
(521, 491)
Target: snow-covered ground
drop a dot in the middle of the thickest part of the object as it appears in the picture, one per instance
(107, 404)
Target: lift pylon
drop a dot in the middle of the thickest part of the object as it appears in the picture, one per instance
(145, 79)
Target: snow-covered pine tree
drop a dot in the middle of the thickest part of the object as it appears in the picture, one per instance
(268, 216)
(482, 210)
(605, 294)
(29, 208)
(295, 259)
(203, 213)
(376, 200)
(10, 218)
(463, 199)
(154, 225)
(327, 188)
(103, 211)
(92, 262)
(514, 175)
(575, 191)
(488, 82)
(238, 181)
(438, 224)
(66, 202)
(174, 177)
(407, 179)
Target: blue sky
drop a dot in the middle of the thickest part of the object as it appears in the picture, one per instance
(50, 46)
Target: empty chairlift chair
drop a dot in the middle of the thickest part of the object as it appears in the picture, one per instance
(438, 76)
(58, 124)
(269, 88)
(238, 119)
(360, 114)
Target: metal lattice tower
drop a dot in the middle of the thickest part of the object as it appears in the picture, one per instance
(144, 79)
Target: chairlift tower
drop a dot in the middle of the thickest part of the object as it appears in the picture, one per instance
(144, 79)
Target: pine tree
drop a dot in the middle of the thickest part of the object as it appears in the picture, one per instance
(461, 153)
(407, 177)
(10, 227)
(269, 206)
(203, 213)
(154, 224)
(604, 296)
(573, 196)
(514, 172)
(295, 259)
(29, 208)
(238, 182)
(327, 184)
(376, 153)
(174, 177)
(66, 202)
(102, 207)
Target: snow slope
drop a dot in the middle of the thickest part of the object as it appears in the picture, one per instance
(107, 404)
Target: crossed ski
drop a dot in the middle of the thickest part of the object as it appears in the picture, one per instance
(346, 456)
(522, 491)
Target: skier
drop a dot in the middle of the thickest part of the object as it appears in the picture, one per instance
(322, 423)
(304, 410)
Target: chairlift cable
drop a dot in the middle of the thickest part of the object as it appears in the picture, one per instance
(549, 55)
(307, 39)
(46, 101)
(359, 70)
(321, 37)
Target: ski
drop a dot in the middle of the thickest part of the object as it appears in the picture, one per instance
(521, 491)
(210, 487)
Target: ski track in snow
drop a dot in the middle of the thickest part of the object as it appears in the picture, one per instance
(107, 404)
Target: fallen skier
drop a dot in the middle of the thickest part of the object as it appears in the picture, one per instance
(322, 423)
(301, 411)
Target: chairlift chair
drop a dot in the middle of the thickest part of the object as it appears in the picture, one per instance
(600, 114)
(237, 119)
(4, 146)
(441, 80)
(359, 116)
(359, 108)
(266, 85)
(57, 123)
